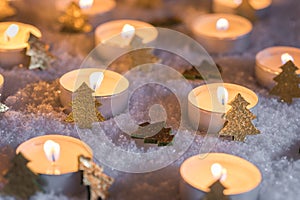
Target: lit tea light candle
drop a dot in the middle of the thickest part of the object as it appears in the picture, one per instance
(115, 36)
(207, 104)
(55, 159)
(240, 177)
(111, 88)
(222, 33)
(261, 7)
(13, 43)
(89, 7)
(269, 61)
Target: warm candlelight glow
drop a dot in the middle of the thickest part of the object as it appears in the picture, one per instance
(96, 79)
(237, 2)
(286, 57)
(222, 94)
(52, 150)
(84, 4)
(128, 31)
(222, 24)
(218, 171)
(11, 32)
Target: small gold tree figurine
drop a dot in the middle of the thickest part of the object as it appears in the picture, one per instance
(216, 192)
(74, 20)
(6, 10)
(40, 57)
(84, 108)
(93, 176)
(239, 118)
(288, 81)
(3, 108)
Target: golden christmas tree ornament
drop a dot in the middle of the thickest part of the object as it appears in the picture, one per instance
(40, 57)
(3, 108)
(141, 55)
(74, 20)
(6, 10)
(84, 108)
(288, 81)
(238, 120)
(216, 192)
(93, 176)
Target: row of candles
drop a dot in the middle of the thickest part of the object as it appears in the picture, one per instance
(55, 156)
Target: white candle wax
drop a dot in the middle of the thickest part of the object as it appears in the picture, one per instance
(98, 6)
(205, 110)
(242, 178)
(111, 40)
(68, 180)
(113, 89)
(12, 50)
(229, 6)
(235, 38)
(1, 85)
(268, 63)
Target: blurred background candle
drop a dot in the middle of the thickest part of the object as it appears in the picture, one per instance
(115, 36)
(269, 61)
(55, 158)
(88, 7)
(261, 7)
(113, 88)
(222, 33)
(207, 104)
(197, 173)
(13, 42)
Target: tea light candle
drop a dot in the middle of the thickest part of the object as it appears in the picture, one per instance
(115, 36)
(88, 7)
(112, 91)
(1, 85)
(222, 33)
(63, 175)
(269, 61)
(13, 42)
(241, 182)
(261, 7)
(208, 103)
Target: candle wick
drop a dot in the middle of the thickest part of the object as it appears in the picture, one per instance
(223, 101)
(53, 158)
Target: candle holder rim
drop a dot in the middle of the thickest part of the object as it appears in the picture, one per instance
(97, 96)
(226, 16)
(259, 9)
(270, 51)
(228, 84)
(222, 155)
(1, 80)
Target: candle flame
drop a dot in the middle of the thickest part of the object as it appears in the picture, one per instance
(96, 79)
(52, 150)
(128, 31)
(237, 2)
(84, 4)
(222, 94)
(222, 24)
(218, 171)
(286, 57)
(11, 31)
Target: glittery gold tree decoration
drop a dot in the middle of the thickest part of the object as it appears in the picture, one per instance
(245, 9)
(6, 10)
(288, 81)
(93, 176)
(74, 20)
(216, 192)
(84, 108)
(40, 57)
(239, 118)
(141, 55)
(3, 108)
